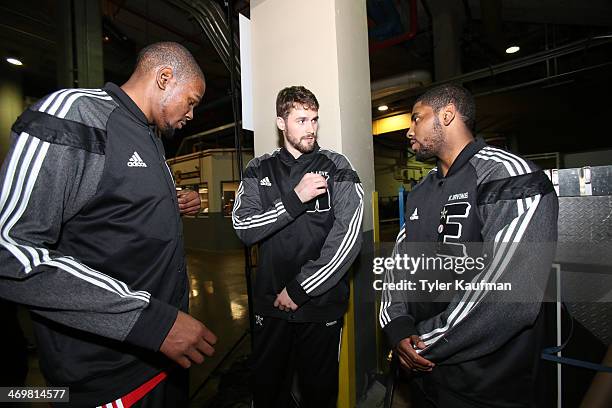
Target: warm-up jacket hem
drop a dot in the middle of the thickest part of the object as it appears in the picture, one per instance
(297, 293)
(400, 328)
(304, 314)
(293, 204)
(153, 325)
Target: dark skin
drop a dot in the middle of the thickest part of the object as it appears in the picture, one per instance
(168, 103)
(443, 139)
(189, 202)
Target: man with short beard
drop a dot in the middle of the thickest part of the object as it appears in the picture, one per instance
(92, 239)
(303, 205)
(476, 348)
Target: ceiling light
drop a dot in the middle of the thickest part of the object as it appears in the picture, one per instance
(14, 61)
(512, 49)
(383, 108)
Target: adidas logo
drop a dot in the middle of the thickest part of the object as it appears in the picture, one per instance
(265, 182)
(415, 215)
(136, 161)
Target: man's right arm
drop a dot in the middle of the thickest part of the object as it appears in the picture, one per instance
(43, 185)
(251, 221)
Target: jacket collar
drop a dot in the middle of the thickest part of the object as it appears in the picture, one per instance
(288, 158)
(466, 154)
(125, 101)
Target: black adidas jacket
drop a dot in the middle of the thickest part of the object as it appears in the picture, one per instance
(305, 247)
(485, 343)
(92, 241)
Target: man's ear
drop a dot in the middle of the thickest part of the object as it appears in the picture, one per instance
(164, 75)
(447, 114)
(280, 123)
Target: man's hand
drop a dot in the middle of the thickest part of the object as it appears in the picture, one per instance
(189, 202)
(310, 186)
(188, 341)
(284, 302)
(409, 358)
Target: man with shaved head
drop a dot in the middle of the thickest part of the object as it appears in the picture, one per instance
(91, 237)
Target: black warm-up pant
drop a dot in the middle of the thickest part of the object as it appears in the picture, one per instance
(282, 349)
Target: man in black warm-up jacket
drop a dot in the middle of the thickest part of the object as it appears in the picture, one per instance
(479, 348)
(91, 237)
(303, 205)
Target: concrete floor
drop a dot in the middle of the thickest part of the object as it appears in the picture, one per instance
(218, 298)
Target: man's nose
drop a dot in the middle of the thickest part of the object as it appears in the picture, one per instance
(311, 128)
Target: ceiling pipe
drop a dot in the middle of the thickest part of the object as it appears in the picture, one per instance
(211, 19)
(398, 83)
(190, 38)
(375, 46)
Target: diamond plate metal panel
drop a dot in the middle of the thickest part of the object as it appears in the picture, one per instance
(585, 254)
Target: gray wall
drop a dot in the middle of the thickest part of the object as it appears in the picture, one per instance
(592, 158)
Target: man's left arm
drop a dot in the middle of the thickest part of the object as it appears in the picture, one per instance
(519, 217)
(341, 245)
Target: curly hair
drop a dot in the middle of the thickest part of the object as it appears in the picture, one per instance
(442, 95)
(294, 96)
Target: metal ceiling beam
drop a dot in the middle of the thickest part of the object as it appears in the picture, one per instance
(577, 46)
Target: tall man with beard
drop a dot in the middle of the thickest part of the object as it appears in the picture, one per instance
(481, 347)
(303, 204)
(91, 237)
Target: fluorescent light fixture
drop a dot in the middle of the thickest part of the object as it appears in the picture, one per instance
(383, 108)
(391, 124)
(14, 61)
(512, 49)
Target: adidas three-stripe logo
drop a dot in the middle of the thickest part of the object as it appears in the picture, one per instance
(136, 161)
(265, 182)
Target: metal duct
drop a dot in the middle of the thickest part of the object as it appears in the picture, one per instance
(211, 18)
(399, 83)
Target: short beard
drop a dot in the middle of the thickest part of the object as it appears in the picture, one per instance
(435, 142)
(301, 148)
(167, 132)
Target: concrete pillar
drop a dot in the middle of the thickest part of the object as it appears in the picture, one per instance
(448, 17)
(11, 105)
(80, 63)
(323, 45)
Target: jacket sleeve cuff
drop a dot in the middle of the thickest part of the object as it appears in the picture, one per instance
(153, 325)
(297, 293)
(294, 206)
(399, 328)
